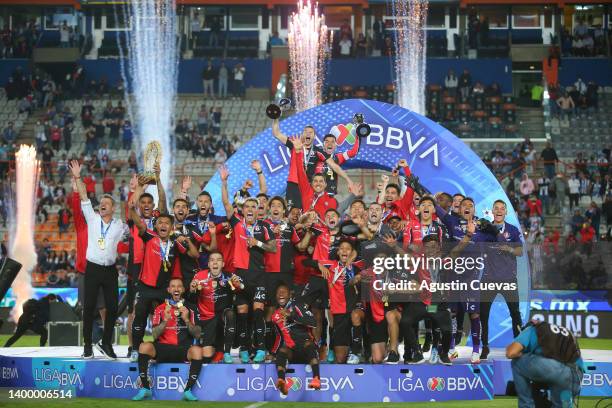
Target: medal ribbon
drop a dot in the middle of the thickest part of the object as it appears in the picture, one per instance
(165, 252)
(103, 231)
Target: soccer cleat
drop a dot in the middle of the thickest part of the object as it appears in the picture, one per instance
(218, 356)
(417, 358)
(353, 359)
(244, 357)
(143, 393)
(87, 352)
(106, 350)
(227, 358)
(454, 354)
(475, 358)
(444, 359)
(392, 358)
(484, 354)
(315, 383)
(188, 396)
(281, 385)
(133, 356)
(434, 358)
(331, 356)
(260, 356)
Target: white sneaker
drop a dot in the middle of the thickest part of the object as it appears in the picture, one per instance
(475, 358)
(134, 356)
(353, 359)
(453, 354)
(433, 357)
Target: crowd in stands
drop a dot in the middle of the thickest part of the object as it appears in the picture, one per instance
(224, 79)
(19, 41)
(583, 42)
(579, 98)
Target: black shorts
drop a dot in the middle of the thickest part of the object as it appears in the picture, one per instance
(169, 353)
(254, 287)
(316, 293)
(148, 297)
(342, 329)
(377, 331)
(134, 271)
(209, 330)
(274, 280)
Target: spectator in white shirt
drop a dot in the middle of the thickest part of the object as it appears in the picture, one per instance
(345, 46)
(451, 82)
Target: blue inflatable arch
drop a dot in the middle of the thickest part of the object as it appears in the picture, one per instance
(440, 159)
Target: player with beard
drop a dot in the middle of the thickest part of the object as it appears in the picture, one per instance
(189, 265)
(312, 191)
(501, 267)
(329, 151)
(175, 336)
(311, 155)
(342, 276)
(470, 239)
(215, 289)
(146, 206)
(158, 266)
(253, 238)
(198, 224)
(294, 341)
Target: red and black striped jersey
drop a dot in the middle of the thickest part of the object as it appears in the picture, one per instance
(286, 237)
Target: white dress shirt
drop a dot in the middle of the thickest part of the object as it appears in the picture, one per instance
(113, 233)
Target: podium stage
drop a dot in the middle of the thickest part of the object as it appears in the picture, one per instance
(61, 368)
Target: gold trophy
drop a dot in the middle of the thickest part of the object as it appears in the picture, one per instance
(152, 156)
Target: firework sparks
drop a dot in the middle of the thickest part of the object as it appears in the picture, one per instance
(410, 47)
(22, 225)
(309, 50)
(153, 69)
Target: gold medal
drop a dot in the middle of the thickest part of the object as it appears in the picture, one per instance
(165, 266)
(101, 243)
(179, 304)
(385, 299)
(214, 284)
(177, 313)
(229, 234)
(330, 173)
(199, 286)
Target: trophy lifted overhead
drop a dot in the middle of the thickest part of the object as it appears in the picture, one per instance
(152, 157)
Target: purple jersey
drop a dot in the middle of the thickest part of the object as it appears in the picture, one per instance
(501, 266)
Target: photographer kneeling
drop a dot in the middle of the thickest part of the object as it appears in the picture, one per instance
(548, 354)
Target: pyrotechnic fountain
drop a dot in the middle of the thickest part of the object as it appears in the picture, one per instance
(410, 47)
(309, 49)
(22, 224)
(153, 70)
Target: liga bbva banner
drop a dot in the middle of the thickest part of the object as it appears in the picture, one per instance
(440, 159)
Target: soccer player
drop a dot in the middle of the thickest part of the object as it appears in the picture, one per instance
(159, 265)
(175, 334)
(470, 237)
(312, 191)
(199, 224)
(252, 239)
(146, 205)
(329, 151)
(215, 298)
(342, 276)
(189, 265)
(501, 267)
(295, 344)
